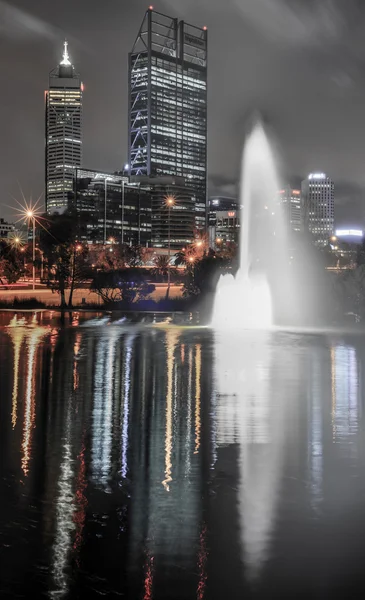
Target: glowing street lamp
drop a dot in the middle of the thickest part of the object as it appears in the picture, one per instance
(30, 217)
(15, 240)
(30, 213)
(169, 201)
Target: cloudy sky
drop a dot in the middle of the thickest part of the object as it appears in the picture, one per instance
(300, 62)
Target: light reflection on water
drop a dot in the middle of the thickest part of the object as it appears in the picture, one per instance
(176, 463)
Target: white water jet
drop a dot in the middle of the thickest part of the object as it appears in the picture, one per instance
(245, 301)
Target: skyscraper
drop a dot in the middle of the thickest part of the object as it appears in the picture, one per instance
(318, 202)
(291, 201)
(63, 133)
(168, 104)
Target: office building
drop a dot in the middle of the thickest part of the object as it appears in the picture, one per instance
(5, 228)
(290, 200)
(172, 225)
(223, 222)
(318, 202)
(168, 105)
(350, 236)
(108, 208)
(63, 133)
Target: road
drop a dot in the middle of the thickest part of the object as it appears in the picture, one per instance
(45, 295)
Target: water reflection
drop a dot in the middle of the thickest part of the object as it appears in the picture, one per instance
(251, 386)
(198, 368)
(315, 429)
(65, 509)
(126, 389)
(17, 335)
(171, 340)
(345, 393)
(165, 463)
(29, 333)
(103, 406)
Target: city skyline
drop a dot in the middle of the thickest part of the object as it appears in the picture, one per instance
(305, 136)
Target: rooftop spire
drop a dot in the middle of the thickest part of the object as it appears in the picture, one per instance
(65, 58)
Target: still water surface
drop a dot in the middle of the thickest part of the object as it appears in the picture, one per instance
(160, 462)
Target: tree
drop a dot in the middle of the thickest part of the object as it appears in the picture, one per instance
(360, 254)
(66, 259)
(124, 285)
(117, 256)
(80, 270)
(11, 264)
(161, 266)
(186, 257)
(202, 277)
(352, 291)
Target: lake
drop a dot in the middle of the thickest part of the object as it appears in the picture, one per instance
(159, 460)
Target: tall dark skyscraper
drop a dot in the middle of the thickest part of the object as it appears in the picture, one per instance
(318, 202)
(168, 104)
(63, 133)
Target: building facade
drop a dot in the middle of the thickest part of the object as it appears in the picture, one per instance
(223, 222)
(109, 208)
(168, 105)
(5, 228)
(318, 204)
(290, 200)
(172, 224)
(63, 133)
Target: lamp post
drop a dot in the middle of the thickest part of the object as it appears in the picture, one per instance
(31, 217)
(125, 168)
(123, 199)
(41, 253)
(105, 201)
(170, 201)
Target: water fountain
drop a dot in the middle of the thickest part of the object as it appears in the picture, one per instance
(245, 301)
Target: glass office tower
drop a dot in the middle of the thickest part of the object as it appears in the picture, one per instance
(63, 133)
(168, 104)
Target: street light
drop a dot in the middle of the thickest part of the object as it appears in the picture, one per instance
(30, 216)
(169, 201)
(30, 213)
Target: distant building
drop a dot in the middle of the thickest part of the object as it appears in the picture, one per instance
(349, 236)
(63, 133)
(318, 202)
(290, 199)
(168, 105)
(5, 228)
(109, 207)
(223, 221)
(174, 226)
(346, 244)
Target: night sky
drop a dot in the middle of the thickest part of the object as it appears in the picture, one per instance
(300, 62)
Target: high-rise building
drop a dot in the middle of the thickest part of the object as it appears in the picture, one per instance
(172, 225)
(290, 200)
(109, 207)
(168, 104)
(63, 133)
(318, 203)
(223, 222)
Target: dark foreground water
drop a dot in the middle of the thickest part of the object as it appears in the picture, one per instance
(149, 462)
